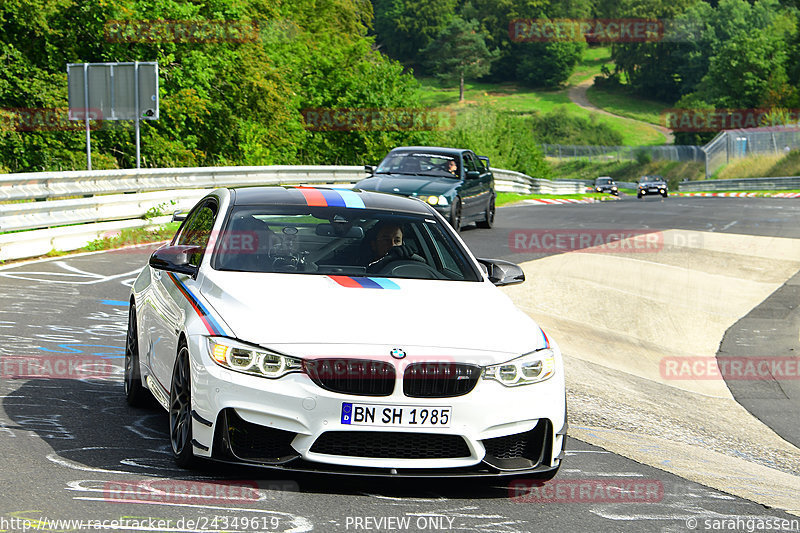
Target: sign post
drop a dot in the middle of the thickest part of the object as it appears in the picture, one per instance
(113, 91)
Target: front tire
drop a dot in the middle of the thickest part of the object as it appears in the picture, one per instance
(180, 411)
(455, 215)
(489, 221)
(135, 394)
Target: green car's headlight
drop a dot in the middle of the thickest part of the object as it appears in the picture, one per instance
(437, 200)
(530, 368)
(252, 360)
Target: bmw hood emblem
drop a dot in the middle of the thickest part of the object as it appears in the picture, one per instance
(397, 353)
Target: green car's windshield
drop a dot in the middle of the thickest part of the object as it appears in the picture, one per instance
(340, 241)
(420, 164)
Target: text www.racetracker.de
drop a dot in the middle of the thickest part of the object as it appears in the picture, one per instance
(201, 523)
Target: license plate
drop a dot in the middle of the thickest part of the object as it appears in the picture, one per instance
(414, 416)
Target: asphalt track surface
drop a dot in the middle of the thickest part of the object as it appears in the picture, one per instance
(74, 450)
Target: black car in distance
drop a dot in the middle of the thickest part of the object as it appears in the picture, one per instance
(651, 185)
(606, 184)
(455, 181)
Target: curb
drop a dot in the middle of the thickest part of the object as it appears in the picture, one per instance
(554, 201)
(740, 194)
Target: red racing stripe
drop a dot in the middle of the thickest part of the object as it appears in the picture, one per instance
(346, 281)
(313, 197)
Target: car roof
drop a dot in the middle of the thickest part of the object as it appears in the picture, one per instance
(443, 150)
(326, 197)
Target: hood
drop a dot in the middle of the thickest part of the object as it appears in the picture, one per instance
(306, 314)
(408, 185)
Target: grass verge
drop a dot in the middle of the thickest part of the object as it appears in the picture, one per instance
(673, 171)
(591, 63)
(516, 98)
(762, 166)
(622, 102)
(125, 237)
(504, 198)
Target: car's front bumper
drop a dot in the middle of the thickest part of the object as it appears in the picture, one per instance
(276, 423)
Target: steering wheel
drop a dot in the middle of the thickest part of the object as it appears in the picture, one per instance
(408, 268)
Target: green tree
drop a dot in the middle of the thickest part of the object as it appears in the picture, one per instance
(744, 69)
(547, 64)
(459, 52)
(222, 101)
(404, 27)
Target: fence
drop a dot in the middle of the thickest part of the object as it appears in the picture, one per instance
(726, 146)
(731, 144)
(623, 153)
(116, 199)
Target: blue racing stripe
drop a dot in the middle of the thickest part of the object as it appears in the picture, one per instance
(120, 303)
(350, 198)
(386, 283)
(367, 283)
(333, 198)
(211, 324)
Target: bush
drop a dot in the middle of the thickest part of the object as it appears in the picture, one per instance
(507, 140)
(559, 127)
(547, 64)
(643, 157)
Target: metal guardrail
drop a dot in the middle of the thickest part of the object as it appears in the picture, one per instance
(33, 215)
(624, 153)
(115, 199)
(46, 185)
(510, 181)
(108, 207)
(743, 184)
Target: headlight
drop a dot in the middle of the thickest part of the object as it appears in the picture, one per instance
(251, 360)
(530, 368)
(437, 200)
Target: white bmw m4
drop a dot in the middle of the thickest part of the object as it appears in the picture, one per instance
(333, 330)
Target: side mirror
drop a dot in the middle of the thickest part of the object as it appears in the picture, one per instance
(502, 272)
(176, 259)
(179, 216)
(473, 174)
(370, 169)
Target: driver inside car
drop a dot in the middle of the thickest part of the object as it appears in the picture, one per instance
(385, 245)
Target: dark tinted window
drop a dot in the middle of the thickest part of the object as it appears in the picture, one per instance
(469, 162)
(340, 241)
(420, 163)
(196, 231)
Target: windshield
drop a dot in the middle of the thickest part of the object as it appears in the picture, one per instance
(420, 164)
(604, 181)
(340, 241)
